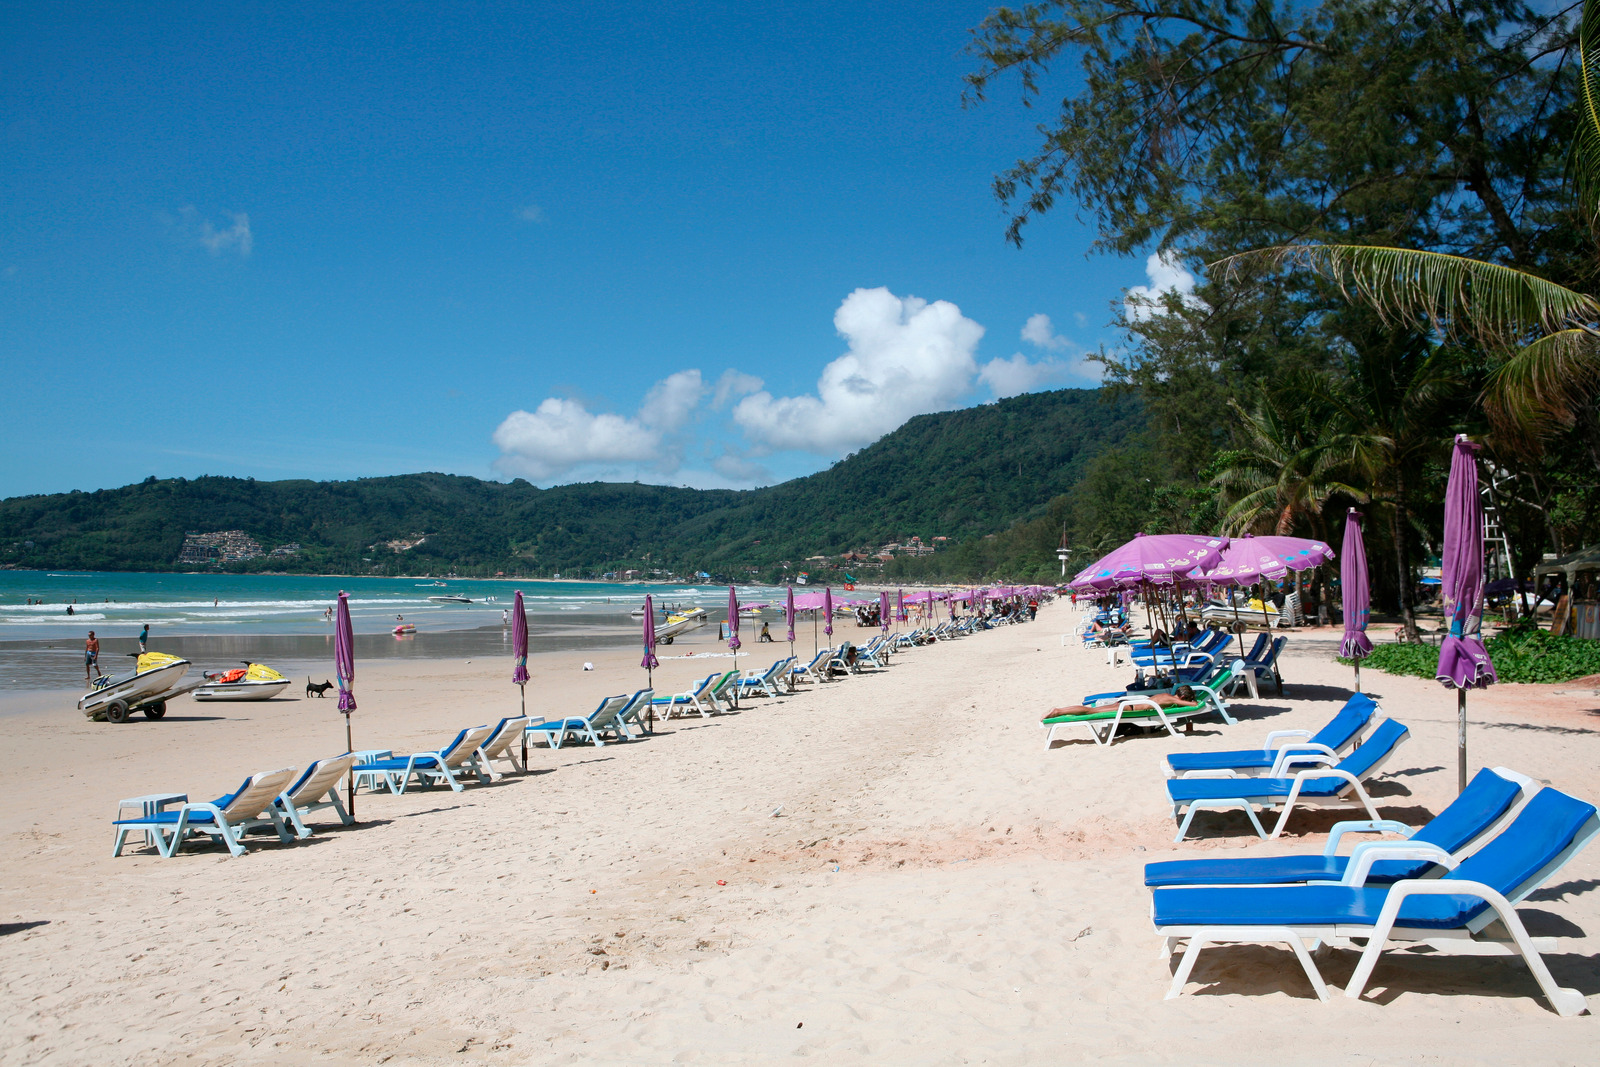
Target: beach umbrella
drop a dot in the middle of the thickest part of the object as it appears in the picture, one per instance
(883, 611)
(519, 653)
(1463, 661)
(650, 662)
(344, 668)
(1154, 558)
(788, 618)
(733, 634)
(1353, 591)
(900, 606)
(827, 610)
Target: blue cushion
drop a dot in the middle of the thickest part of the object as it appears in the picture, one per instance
(1255, 870)
(168, 818)
(397, 764)
(1355, 714)
(1187, 790)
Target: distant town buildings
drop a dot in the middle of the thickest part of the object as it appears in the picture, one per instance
(290, 549)
(221, 546)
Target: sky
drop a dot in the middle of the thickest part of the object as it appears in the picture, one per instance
(697, 244)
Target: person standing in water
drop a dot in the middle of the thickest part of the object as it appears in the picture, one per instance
(91, 657)
(144, 636)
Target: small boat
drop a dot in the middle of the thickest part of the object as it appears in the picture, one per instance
(687, 615)
(154, 679)
(253, 681)
(403, 629)
(450, 598)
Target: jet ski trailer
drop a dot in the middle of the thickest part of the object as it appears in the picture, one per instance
(154, 681)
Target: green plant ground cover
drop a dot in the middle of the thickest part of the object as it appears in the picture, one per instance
(1520, 655)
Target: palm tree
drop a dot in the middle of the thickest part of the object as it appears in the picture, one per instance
(1547, 336)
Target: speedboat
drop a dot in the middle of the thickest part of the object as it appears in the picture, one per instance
(253, 681)
(153, 681)
(451, 598)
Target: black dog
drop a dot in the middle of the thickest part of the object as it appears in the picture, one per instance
(312, 688)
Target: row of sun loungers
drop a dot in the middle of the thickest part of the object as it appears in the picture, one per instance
(283, 801)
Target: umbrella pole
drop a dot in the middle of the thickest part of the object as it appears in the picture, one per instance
(1238, 624)
(1358, 676)
(522, 688)
(350, 782)
(1264, 620)
(1461, 740)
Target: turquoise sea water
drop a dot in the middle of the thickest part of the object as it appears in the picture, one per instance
(220, 620)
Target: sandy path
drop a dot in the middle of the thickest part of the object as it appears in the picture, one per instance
(986, 905)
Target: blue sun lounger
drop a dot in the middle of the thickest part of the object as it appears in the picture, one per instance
(317, 789)
(224, 819)
(1469, 911)
(590, 727)
(428, 767)
(1271, 759)
(1483, 808)
(1316, 786)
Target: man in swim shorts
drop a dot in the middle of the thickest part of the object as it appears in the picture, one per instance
(91, 656)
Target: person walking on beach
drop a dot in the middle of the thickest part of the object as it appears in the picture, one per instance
(91, 657)
(144, 635)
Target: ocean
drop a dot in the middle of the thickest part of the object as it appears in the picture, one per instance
(218, 620)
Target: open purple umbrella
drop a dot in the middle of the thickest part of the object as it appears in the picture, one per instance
(1463, 661)
(519, 653)
(1156, 558)
(1354, 593)
(344, 668)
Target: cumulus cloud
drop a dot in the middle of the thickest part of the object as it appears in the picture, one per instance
(1166, 275)
(734, 384)
(1038, 331)
(905, 357)
(740, 471)
(236, 237)
(1009, 377)
(530, 213)
(561, 435)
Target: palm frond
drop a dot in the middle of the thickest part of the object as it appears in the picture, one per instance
(1448, 293)
(1544, 381)
(1584, 163)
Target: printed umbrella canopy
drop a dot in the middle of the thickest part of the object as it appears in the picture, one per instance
(1154, 558)
(344, 668)
(1463, 661)
(1353, 591)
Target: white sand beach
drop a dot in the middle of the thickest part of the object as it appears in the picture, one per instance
(910, 878)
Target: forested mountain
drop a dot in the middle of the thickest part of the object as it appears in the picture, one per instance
(960, 475)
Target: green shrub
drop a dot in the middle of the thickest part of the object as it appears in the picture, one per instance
(1519, 655)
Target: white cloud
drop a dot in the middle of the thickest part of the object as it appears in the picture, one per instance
(733, 384)
(236, 236)
(670, 402)
(1009, 377)
(741, 471)
(1166, 274)
(561, 435)
(1038, 331)
(906, 357)
(530, 213)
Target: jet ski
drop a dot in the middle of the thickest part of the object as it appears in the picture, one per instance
(153, 682)
(253, 681)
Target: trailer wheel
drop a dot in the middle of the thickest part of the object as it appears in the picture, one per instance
(666, 640)
(156, 710)
(117, 711)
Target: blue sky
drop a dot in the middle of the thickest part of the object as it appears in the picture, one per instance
(688, 243)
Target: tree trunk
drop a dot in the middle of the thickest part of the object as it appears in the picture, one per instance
(1398, 524)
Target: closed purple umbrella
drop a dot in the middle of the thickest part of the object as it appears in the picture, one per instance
(344, 668)
(827, 610)
(519, 653)
(788, 617)
(733, 621)
(900, 606)
(1463, 661)
(883, 611)
(650, 662)
(1353, 592)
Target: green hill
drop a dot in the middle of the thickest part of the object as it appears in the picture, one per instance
(959, 475)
